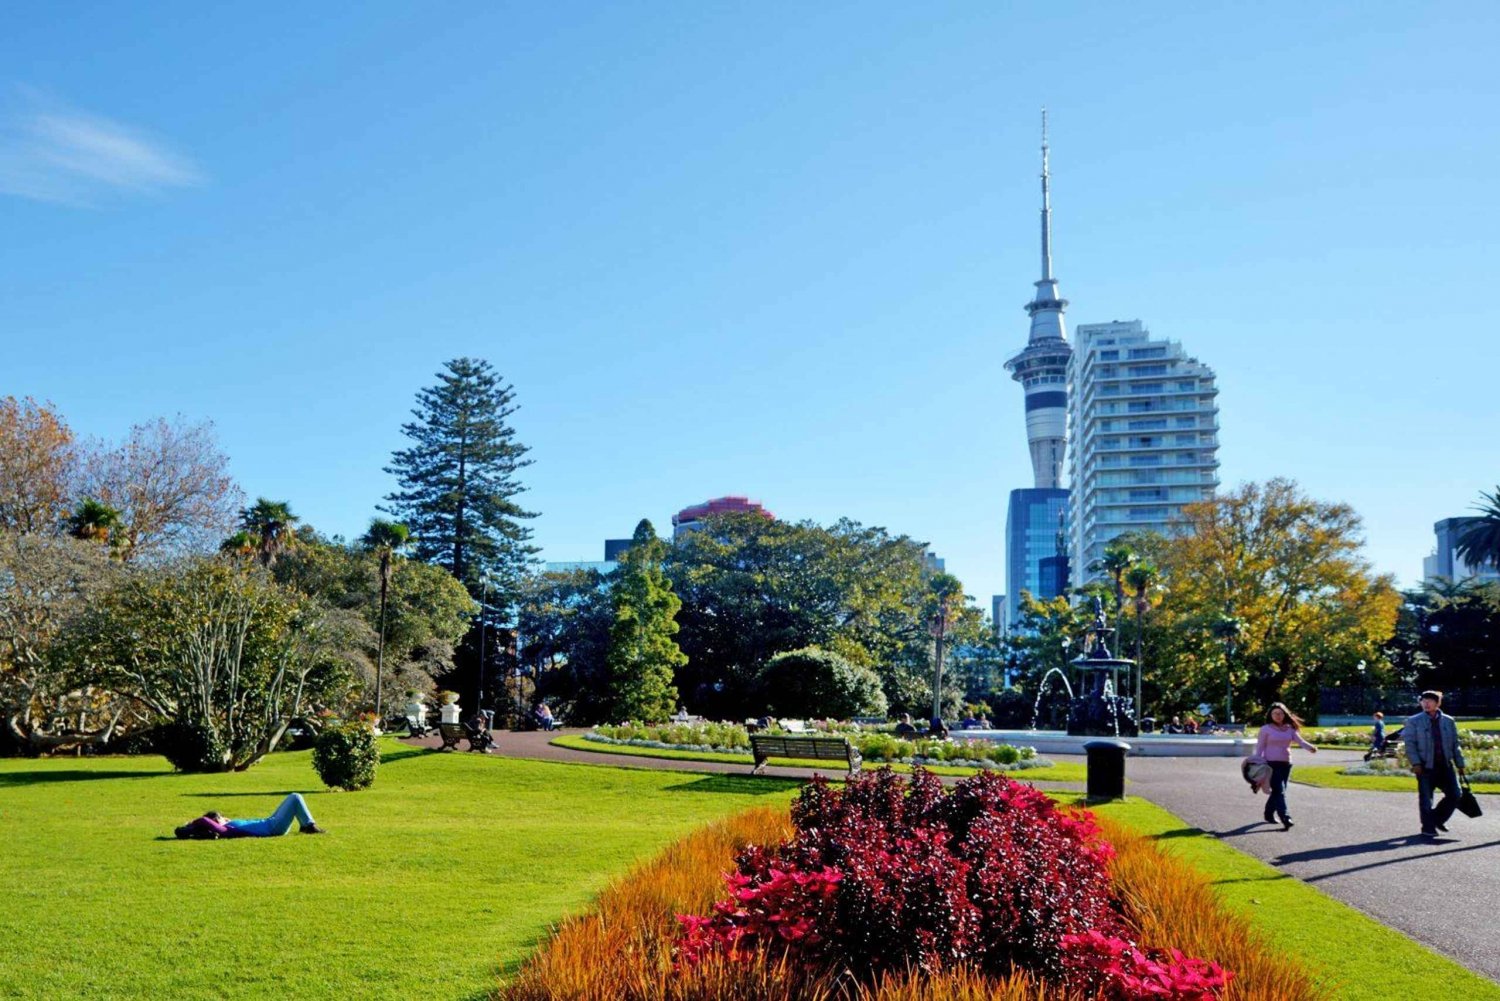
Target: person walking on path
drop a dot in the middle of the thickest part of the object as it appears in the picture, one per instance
(1377, 738)
(1431, 738)
(1274, 744)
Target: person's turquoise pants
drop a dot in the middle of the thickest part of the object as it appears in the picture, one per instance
(279, 822)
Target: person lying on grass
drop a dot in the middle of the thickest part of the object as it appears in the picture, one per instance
(214, 824)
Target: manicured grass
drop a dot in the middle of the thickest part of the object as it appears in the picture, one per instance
(1362, 959)
(450, 868)
(1330, 777)
(1059, 772)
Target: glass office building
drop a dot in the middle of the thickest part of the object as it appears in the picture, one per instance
(1033, 522)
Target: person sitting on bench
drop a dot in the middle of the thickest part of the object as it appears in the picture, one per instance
(544, 718)
(214, 824)
(478, 728)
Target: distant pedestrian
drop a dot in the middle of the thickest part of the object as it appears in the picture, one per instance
(1377, 738)
(1281, 730)
(1431, 738)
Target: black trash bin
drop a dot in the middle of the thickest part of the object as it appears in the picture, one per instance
(1106, 766)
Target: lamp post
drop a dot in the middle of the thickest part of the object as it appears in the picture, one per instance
(1228, 630)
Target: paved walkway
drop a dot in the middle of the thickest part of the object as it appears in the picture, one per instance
(1359, 847)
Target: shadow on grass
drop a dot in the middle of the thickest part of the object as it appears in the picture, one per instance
(1177, 832)
(386, 757)
(271, 794)
(754, 785)
(1271, 878)
(42, 776)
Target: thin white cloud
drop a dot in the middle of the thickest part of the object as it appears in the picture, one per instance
(77, 159)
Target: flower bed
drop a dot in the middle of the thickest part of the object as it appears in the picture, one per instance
(1482, 766)
(898, 891)
(1361, 738)
(881, 748)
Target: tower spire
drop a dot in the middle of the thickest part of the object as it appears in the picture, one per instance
(1042, 366)
(1046, 207)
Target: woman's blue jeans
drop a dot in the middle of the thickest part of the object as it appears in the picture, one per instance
(1281, 771)
(278, 823)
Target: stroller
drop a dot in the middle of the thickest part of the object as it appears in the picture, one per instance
(1387, 747)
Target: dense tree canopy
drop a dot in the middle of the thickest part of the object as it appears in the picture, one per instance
(1291, 570)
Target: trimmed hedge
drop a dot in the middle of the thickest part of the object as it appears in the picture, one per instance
(345, 756)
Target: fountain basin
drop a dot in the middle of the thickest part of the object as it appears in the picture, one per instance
(1150, 745)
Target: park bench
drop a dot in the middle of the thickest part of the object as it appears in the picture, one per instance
(452, 733)
(1238, 728)
(766, 747)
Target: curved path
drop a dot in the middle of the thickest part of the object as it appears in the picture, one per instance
(1358, 847)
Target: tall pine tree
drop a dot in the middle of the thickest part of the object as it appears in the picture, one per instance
(458, 481)
(642, 653)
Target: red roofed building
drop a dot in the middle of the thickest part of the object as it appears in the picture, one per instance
(690, 519)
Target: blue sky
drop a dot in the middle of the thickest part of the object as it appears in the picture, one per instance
(773, 249)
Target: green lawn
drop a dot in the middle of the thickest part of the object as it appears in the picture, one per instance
(1329, 776)
(444, 873)
(1059, 772)
(1359, 958)
(448, 869)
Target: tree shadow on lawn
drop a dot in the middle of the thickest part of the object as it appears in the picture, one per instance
(42, 776)
(387, 757)
(753, 785)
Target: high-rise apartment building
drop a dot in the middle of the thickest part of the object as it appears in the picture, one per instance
(1446, 563)
(1144, 440)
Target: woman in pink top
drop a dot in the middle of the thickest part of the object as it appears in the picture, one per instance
(1282, 730)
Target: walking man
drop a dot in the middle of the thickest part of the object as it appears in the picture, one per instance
(1431, 738)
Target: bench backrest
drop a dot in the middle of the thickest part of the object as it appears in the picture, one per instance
(817, 748)
(453, 730)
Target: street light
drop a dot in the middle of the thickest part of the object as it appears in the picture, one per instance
(1228, 630)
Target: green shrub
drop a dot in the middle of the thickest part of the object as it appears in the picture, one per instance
(812, 683)
(345, 756)
(193, 747)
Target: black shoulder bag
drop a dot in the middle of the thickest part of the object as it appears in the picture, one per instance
(1467, 804)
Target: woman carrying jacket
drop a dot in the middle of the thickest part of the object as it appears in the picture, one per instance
(1281, 730)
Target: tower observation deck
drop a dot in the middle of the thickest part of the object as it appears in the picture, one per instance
(1042, 366)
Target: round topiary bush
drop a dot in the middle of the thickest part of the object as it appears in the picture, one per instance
(345, 756)
(193, 747)
(811, 683)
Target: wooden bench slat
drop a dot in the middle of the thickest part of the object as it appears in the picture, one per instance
(765, 747)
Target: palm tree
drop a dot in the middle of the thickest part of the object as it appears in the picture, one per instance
(1118, 557)
(1143, 577)
(384, 538)
(945, 593)
(270, 523)
(95, 521)
(1478, 542)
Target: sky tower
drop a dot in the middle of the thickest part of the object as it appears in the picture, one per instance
(1042, 366)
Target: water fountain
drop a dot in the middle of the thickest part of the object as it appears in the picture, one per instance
(1094, 710)
(1099, 712)
(1036, 707)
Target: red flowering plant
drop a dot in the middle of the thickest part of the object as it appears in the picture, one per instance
(1119, 970)
(891, 874)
